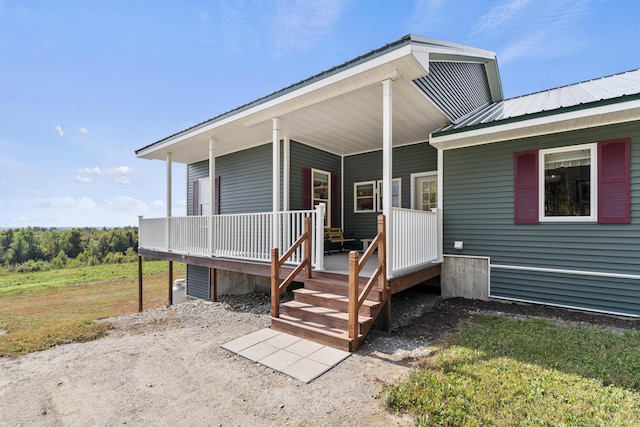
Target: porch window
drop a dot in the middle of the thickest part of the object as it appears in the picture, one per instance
(367, 195)
(395, 193)
(364, 196)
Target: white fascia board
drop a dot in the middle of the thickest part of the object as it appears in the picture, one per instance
(607, 114)
(342, 75)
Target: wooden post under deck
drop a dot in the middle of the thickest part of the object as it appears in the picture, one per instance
(139, 284)
(170, 299)
(213, 283)
(275, 283)
(382, 279)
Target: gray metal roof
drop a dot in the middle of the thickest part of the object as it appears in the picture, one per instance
(610, 89)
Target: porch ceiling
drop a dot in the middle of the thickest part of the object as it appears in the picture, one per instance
(340, 113)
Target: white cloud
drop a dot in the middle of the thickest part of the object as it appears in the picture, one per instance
(90, 171)
(65, 202)
(126, 203)
(158, 205)
(536, 29)
(58, 129)
(83, 130)
(82, 179)
(291, 25)
(501, 15)
(122, 174)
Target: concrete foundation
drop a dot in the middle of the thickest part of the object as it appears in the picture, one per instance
(465, 277)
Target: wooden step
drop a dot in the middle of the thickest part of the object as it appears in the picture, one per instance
(337, 302)
(329, 317)
(313, 331)
(338, 287)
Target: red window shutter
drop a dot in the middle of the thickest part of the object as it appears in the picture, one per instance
(335, 204)
(307, 203)
(614, 182)
(217, 196)
(525, 210)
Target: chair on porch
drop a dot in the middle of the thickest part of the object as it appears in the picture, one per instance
(334, 240)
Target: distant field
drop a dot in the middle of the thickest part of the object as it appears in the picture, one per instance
(43, 309)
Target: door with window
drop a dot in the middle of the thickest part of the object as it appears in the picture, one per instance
(424, 191)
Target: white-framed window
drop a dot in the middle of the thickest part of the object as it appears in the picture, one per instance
(364, 196)
(367, 195)
(567, 187)
(395, 193)
(321, 191)
(424, 191)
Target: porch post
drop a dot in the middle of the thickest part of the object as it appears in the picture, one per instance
(286, 160)
(440, 190)
(276, 183)
(387, 168)
(168, 230)
(212, 193)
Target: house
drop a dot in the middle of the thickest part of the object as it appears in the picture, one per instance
(418, 119)
(542, 197)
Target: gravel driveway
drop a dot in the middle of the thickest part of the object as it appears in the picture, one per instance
(166, 367)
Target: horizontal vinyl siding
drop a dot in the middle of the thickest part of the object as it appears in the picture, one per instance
(304, 156)
(368, 167)
(478, 210)
(245, 180)
(198, 282)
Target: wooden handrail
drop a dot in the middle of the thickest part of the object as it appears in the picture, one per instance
(276, 262)
(356, 264)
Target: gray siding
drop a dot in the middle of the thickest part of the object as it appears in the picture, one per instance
(478, 210)
(457, 88)
(304, 156)
(198, 282)
(245, 180)
(368, 167)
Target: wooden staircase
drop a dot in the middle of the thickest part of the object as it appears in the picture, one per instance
(320, 312)
(331, 309)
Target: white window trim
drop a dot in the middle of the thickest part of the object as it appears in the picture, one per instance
(355, 196)
(377, 203)
(593, 147)
(379, 193)
(328, 201)
(413, 177)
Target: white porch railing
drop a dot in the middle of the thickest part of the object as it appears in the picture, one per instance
(415, 237)
(239, 236)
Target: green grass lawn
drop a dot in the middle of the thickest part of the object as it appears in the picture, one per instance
(504, 372)
(43, 309)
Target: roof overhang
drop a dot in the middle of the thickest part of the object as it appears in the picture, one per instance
(339, 113)
(588, 116)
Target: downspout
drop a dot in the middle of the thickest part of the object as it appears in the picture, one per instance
(212, 193)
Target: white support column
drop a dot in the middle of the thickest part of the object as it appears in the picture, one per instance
(212, 193)
(440, 190)
(286, 163)
(387, 168)
(169, 183)
(276, 182)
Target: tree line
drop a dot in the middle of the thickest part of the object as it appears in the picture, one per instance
(37, 248)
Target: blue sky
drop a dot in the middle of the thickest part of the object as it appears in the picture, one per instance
(85, 83)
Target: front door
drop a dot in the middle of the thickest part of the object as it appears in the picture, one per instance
(424, 191)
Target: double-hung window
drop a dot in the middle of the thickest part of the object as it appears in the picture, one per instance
(587, 182)
(367, 195)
